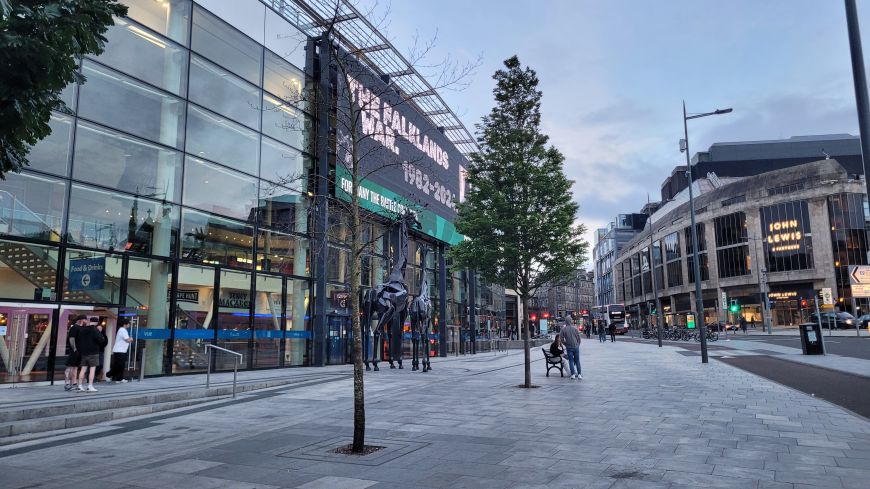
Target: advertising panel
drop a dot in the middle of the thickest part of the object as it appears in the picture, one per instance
(787, 236)
(406, 163)
(87, 273)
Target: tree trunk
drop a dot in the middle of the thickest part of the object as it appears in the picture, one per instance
(359, 408)
(527, 354)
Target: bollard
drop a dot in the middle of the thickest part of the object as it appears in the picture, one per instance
(142, 366)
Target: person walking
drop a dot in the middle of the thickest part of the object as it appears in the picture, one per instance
(119, 351)
(602, 335)
(73, 357)
(752, 322)
(90, 342)
(612, 330)
(743, 324)
(570, 338)
(587, 327)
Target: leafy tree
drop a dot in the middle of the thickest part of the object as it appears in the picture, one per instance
(518, 213)
(40, 43)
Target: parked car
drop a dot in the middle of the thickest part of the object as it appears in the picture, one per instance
(864, 320)
(837, 320)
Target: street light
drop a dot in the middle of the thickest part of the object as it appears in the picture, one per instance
(699, 300)
(652, 270)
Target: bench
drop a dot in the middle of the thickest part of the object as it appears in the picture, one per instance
(553, 362)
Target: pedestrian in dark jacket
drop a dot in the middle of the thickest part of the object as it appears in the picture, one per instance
(612, 330)
(90, 342)
(743, 324)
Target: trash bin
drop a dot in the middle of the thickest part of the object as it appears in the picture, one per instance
(811, 339)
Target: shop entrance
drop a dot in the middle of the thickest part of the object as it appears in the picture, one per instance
(337, 351)
(25, 342)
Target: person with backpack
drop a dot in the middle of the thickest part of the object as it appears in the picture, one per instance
(90, 342)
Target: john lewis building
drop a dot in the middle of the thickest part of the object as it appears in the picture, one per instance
(186, 189)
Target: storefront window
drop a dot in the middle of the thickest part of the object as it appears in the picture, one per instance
(115, 160)
(282, 209)
(113, 221)
(216, 240)
(92, 277)
(234, 314)
(123, 103)
(149, 286)
(27, 271)
(194, 320)
(296, 326)
(31, 206)
(282, 253)
(268, 330)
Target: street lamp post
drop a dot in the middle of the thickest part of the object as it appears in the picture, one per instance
(699, 300)
(762, 282)
(652, 269)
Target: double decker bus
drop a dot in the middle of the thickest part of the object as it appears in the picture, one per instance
(612, 314)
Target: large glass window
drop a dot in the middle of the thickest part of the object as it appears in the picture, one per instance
(115, 160)
(296, 325)
(157, 61)
(32, 206)
(730, 229)
(216, 88)
(92, 277)
(338, 265)
(212, 239)
(284, 165)
(282, 209)
(285, 39)
(222, 140)
(286, 123)
(52, 153)
(113, 221)
(234, 314)
(282, 253)
(149, 285)
(121, 102)
(34, 282)
(194, 318)
(226, 46)
(672, 247)
(733, 262)
(787, 236)
(219, 190)
(268, 330)
(848, 237)
(283, 80)
(731, 234)
(167, 17)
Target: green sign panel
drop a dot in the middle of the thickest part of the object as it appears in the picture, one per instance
(384, 202)
(690, 321)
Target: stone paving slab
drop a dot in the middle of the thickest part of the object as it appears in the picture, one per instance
(641, 418)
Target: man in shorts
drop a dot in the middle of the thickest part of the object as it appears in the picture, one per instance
(73, 357)
(90, 342)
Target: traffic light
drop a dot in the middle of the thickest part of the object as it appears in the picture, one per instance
(546, 315)
(734, 306)
(804, 304)
(533, 317)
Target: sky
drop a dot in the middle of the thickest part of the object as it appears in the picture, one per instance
(614, 74)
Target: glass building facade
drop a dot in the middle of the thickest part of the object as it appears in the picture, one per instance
(180, 172)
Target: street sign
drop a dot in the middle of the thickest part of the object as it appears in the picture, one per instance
(860, 290)
(724, 301)
(827, 296)
(859, 274)
(690, 321)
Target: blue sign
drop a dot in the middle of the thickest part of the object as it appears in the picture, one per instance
(298, 334)
(151, 333)
(87, 273)
(234, 334)
(275, 334)
(194, 334)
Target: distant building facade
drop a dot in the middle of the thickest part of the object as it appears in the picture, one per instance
(608, 243)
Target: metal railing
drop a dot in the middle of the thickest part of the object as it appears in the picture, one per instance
(235, 367)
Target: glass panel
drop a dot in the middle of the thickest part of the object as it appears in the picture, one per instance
(113, 221)
(68, 96)
(283, 80)
(168, 17)
(222, 140)
(213, 87)
(337, 265)
(268, 333)
(92, 277)
(284, 165)
(296, 325)
(219, 190)
(26, 344)
(33, 282)
(285, 123)
(149, 285)
(114, 160)
(31, 206)
(156, 61)
(224, 45)
(52, 153)
(282, 209)
(110, 98)
(234, 314)
(193, 318)
(285, 39)
(216, 240)
(282, 253)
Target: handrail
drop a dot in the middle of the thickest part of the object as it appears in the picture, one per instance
(235, 368)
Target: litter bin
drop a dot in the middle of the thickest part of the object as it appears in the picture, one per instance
(811, 339)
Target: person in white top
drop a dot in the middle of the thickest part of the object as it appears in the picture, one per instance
(119, 351)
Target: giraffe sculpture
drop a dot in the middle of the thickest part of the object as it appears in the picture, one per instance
(389, 301)
(421, 320)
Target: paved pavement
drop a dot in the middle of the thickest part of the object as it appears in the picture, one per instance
(847, 346)
(641, 418)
